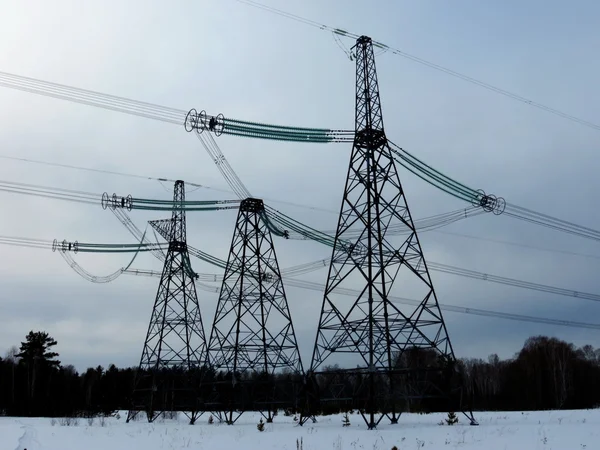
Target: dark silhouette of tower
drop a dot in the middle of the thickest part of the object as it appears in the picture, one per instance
(402, 359)
(252, 350)
(175, 346)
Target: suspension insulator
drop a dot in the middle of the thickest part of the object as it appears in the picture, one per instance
(105, 200)
(220, 125)
(500, 206)
(490, 203)
(201, 122)
(478, 199)
(191, 120)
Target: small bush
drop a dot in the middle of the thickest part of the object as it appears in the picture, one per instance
(261, 425)
(68, 422)
(171, 415)
(452, 419)
(346, 420)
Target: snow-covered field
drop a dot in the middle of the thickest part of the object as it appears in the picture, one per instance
(575, 430)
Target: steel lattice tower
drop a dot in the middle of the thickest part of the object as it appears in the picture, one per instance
(175, 346)
(252, 338)
(396, 349)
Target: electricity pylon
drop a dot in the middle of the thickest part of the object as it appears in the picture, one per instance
(403, 358)
(252, 350)
(175, 346)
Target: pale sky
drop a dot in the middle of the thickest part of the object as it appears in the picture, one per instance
(248, 64)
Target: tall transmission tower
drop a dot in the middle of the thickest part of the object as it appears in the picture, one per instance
(401, 357)
(175, 346)
(252, 349)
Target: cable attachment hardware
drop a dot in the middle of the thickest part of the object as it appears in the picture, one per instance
(104, 201)
(200, 121)
(66, 246)
(267, 277)
(195, 121)
(489, 203)
(191, 120)
(116, 201)
(219, 124)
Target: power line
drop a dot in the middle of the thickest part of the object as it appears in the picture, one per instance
(518, 244)
(459, 309)
(103, 171)
(192, 120)
(151, 178)
(424, 62)
(489, 203)
(303, 284)
(407, 160)
(91, 198)
(274, 200)
(172, 115)
(315, 265)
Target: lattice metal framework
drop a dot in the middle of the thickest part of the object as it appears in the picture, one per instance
(391, 347)
(252, 349)
(175, 346)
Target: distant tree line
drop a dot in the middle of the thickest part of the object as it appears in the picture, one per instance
(546, 373)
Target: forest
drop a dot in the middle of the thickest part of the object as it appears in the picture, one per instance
(547, 373)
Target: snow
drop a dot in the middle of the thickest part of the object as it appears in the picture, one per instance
(497, 431)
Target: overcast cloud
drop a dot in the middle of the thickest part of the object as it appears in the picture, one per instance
(231, 58)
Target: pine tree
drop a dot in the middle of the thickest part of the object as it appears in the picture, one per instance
(37, 348)
(346, 420)
(37, 355)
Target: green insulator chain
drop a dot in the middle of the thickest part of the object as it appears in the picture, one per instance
(478, 198)
(288, 223)
(203, 256)
(115, 201)
(273, 228)
(85, 247)
(201, 121)
(422, 225)
(487, 202)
